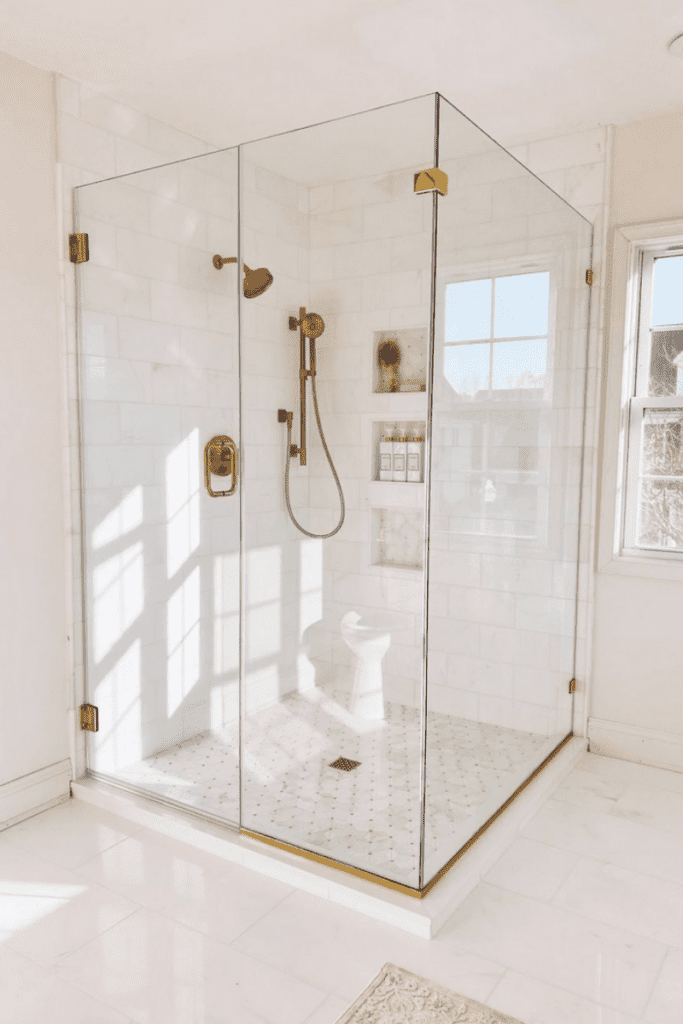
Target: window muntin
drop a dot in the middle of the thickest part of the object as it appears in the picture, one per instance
(496, 361)
(496, 335)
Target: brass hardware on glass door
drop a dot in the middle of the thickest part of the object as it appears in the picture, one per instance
(432, 180)
(78, 248)
(90, 719)
(220, 459)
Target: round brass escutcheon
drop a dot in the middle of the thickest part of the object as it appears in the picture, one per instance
(313, 325)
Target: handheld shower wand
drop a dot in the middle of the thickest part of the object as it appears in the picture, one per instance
(310, 326)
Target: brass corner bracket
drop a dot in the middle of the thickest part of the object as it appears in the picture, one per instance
(432, 180)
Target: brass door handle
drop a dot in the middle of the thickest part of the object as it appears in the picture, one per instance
(220, 458)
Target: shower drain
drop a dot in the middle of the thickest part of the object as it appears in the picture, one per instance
(344, 764)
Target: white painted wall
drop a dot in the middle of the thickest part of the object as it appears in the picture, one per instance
(637, 700)
(34, 769)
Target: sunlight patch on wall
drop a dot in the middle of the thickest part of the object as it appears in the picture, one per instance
(182, 501)
(118, 590)
(183, 641)
(125, 517)
(226, 601)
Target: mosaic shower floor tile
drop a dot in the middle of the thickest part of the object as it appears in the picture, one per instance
(368, 816)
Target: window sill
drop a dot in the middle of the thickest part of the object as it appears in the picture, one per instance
(670, 568)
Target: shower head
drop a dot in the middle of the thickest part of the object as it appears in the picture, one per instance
(312, 325)
(255, 281)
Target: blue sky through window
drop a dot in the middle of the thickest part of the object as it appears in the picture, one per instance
(520, 309)
(667, 299)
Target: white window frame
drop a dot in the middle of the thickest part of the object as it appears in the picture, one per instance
(631, 250)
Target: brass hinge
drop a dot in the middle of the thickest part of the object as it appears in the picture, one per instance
(572, 685)
(78, 248)
(589, 277)
(432, 180)
(89, 718)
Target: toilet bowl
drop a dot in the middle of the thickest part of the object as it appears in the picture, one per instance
(369, 637)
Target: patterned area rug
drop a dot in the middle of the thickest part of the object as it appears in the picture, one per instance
(398, 997)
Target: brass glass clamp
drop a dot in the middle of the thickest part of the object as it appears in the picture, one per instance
(220, 458)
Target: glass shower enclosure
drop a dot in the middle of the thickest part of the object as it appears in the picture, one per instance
(370, 696)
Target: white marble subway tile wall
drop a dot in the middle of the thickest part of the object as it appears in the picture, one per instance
(159, 376)
(370, 266)
(280, 563)
(502, 612)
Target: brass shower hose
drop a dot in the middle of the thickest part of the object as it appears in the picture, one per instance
(317, 536)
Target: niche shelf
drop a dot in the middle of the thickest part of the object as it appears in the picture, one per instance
(397, 538)
(409, 374)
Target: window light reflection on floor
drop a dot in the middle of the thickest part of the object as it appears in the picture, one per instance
(24, 903)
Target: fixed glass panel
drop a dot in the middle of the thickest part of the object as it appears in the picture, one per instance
(158, 355)
(331, 738)
(511, 319)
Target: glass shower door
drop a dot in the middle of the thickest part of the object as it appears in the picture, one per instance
(158, 355)
(333, 642)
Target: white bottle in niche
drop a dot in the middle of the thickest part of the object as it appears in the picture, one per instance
(400, 452)
(415, 454)
(386, 451)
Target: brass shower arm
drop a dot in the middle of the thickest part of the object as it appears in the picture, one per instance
(218, 262)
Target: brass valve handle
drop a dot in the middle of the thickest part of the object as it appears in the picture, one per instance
(220, 458)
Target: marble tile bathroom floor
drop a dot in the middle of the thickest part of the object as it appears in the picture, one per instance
(369, 817)
(578, 922)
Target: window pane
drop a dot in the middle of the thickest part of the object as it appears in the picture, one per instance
(466, 368)
(521, 305)
(667, 297)
(467, 310)
(519, 364)
(660, 512)
(666, 363)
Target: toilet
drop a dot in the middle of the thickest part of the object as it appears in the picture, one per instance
(369, 637)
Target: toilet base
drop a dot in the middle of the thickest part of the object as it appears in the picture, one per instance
(367, 700)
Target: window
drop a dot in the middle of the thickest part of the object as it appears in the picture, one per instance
(653, 520)
(496, 336)
(496, 367)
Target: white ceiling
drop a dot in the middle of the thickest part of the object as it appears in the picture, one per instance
(229, 71)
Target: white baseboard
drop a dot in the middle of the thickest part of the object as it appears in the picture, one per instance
(22, 798)
(631, 743)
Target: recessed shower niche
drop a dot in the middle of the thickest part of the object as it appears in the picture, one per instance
(397, 538)
(213, 640)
